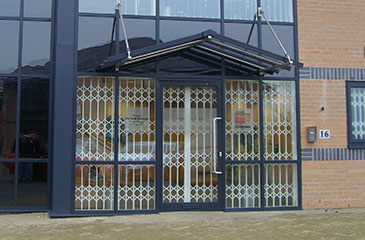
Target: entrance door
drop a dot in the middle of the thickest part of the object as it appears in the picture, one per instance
(192, 146)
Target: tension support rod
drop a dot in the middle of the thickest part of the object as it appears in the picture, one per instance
(261, 12)
(119, 11)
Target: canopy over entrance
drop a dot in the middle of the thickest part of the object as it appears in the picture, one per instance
(211, 48)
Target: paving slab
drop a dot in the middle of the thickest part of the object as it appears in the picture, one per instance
(305, 224)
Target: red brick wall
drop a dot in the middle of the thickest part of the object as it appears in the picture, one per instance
(331, 33)
(333, 184)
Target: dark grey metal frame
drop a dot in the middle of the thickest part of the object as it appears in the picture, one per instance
(64, 89)
(20, 76)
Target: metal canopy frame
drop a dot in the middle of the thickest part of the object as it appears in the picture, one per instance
(212, 47)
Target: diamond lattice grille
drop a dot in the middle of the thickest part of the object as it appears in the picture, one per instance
(187, 133)
(358, 113)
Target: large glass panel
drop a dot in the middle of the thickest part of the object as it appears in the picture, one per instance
(8, 100)
(188, 114)
(9, 7)
(190, 8)
(242, 185)
(32, 184)
(141, 33)
(280, 135)
(137, 119)
(286, 36)
(241, 32)
(33, 138)
(136, 187)
(281, 185)
(36, 47)
(186, 28)
(95, 119)
(97, 6)
(139, 7)
(242, 120)
(94, 187)
(278, 10)
(94, 42)
(37, 8)
(7, 172)
(240, 9)
(357, 113)
(9, 42)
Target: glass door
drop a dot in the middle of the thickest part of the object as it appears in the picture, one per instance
(191, 146)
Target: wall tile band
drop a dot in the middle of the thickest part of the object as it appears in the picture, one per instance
(332, 154)
(332, 73)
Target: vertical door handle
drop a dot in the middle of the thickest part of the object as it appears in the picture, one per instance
(215, 145)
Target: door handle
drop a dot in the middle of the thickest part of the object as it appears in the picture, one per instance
(215, 145)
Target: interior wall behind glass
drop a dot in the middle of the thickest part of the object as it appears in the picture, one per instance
(97, 6)
(190, 8)
(36, 47)
(240, 9)
(278, 10)
(139, 7)
(9, 42)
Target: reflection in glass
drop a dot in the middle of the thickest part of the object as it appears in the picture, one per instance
(94, 187)
(242, 185)
(240, 32)
(8, 99)
(10, 8)
(94, 42)
(136, 187)
(32, 184)
(188, 114)
(286, 36)
(279, 107)
(33, 138)
(186, 28)
(281, 186)
(278, 10)
(36, 47)
(242, 120)
(190, 8)
(240, 9)
(9, 42)
(137, 119)
(37, 8)
(97, 6)
(139, 7)
(7, 171)
(95, 119)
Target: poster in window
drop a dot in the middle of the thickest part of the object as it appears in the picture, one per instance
(242, 119)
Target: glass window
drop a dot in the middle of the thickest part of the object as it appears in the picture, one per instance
(185, 28)
(33, 138)
(240, 32)
(97, 6)
(36, 47)
(139, 7)
(356, 111)
(280, 134)
(190, 8)
(9, 42)
(37, 8)
(32, 184)
(9, 7)
(94, 43)
(286, 36)
(8, 100)
(95, 119)
(7, 172)
(278, 10)
(140, 33)
(240, 9)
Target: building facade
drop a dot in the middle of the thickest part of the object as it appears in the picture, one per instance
(206, 113)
